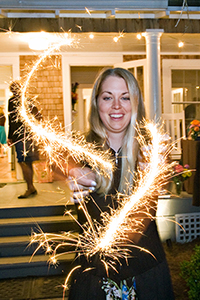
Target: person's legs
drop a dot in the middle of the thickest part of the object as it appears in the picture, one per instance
(27, 170)
(25, 163)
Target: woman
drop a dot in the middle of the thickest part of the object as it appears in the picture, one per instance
(116, 106)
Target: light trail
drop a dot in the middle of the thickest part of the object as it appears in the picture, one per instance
(109, 238)
(54, 142)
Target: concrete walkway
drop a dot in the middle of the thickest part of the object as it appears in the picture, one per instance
(56, 193)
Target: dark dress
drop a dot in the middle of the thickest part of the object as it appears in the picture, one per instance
(19, 133)
(150, 272)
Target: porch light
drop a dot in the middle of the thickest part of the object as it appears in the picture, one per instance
(38, 43)
(139, 36)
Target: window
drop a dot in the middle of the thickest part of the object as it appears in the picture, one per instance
(186, 93)
(181, 88)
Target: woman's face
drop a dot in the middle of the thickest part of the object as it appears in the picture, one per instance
(114, 105)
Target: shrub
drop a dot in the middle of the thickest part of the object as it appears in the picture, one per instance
(190, 272)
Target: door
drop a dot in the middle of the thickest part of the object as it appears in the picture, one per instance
(138, 69)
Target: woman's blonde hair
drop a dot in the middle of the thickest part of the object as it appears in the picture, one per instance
(97, 131)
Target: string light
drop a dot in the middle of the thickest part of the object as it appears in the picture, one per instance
(180, 44)
(139, 36)
(91, 36)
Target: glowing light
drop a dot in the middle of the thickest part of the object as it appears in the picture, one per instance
(180, 44)
(38, 44)
(91, 36)
(57, 143)
(116, 38)
(80, 27)
(139, 36)
(144, 190)
(87, 10)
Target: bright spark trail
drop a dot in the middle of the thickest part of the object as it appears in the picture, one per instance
(56, 143)
(151, 180)
(109, 238)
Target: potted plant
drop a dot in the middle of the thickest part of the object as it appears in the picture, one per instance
(194, 130)
(181, 173)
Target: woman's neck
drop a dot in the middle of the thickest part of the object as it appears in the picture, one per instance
(115, 141)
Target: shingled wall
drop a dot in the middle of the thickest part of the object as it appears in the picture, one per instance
(46, 85)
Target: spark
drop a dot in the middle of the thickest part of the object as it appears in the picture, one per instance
(87, 10)
(79, 27)
(117, 38)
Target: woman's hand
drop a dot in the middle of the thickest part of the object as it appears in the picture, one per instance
(81, 182)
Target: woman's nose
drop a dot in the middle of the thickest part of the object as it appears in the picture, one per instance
(116, 103)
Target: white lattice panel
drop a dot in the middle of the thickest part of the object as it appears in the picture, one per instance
(187, 227)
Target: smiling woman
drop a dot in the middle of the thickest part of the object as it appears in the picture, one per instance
(116, 107)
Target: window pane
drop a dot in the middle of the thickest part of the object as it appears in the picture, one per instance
(140, 78)
(139, 74)
(186, 93)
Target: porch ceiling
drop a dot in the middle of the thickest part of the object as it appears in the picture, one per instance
(103, 42)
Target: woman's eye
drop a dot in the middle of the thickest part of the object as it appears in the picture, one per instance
(125, 98)
(107, 98)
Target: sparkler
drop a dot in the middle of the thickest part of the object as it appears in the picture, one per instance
(110, 238)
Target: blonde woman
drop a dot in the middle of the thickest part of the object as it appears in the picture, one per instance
(116, 106)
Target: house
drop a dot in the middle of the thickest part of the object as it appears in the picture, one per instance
(143, 36)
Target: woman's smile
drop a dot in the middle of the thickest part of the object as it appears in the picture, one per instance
(114, 105)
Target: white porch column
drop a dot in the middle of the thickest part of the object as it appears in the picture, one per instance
(153, 100)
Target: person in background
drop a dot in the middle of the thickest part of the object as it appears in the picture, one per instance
(2, 132)
(18, 135)
(116, 106)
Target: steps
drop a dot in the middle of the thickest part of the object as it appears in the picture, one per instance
(16, 226)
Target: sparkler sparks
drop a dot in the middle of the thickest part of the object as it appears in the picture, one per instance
(110, 240)
(55, 143)
(88, 11)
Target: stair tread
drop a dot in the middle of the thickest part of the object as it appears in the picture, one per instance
(40, 220)
(14, 239)
(33, 259)
(20, 239)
